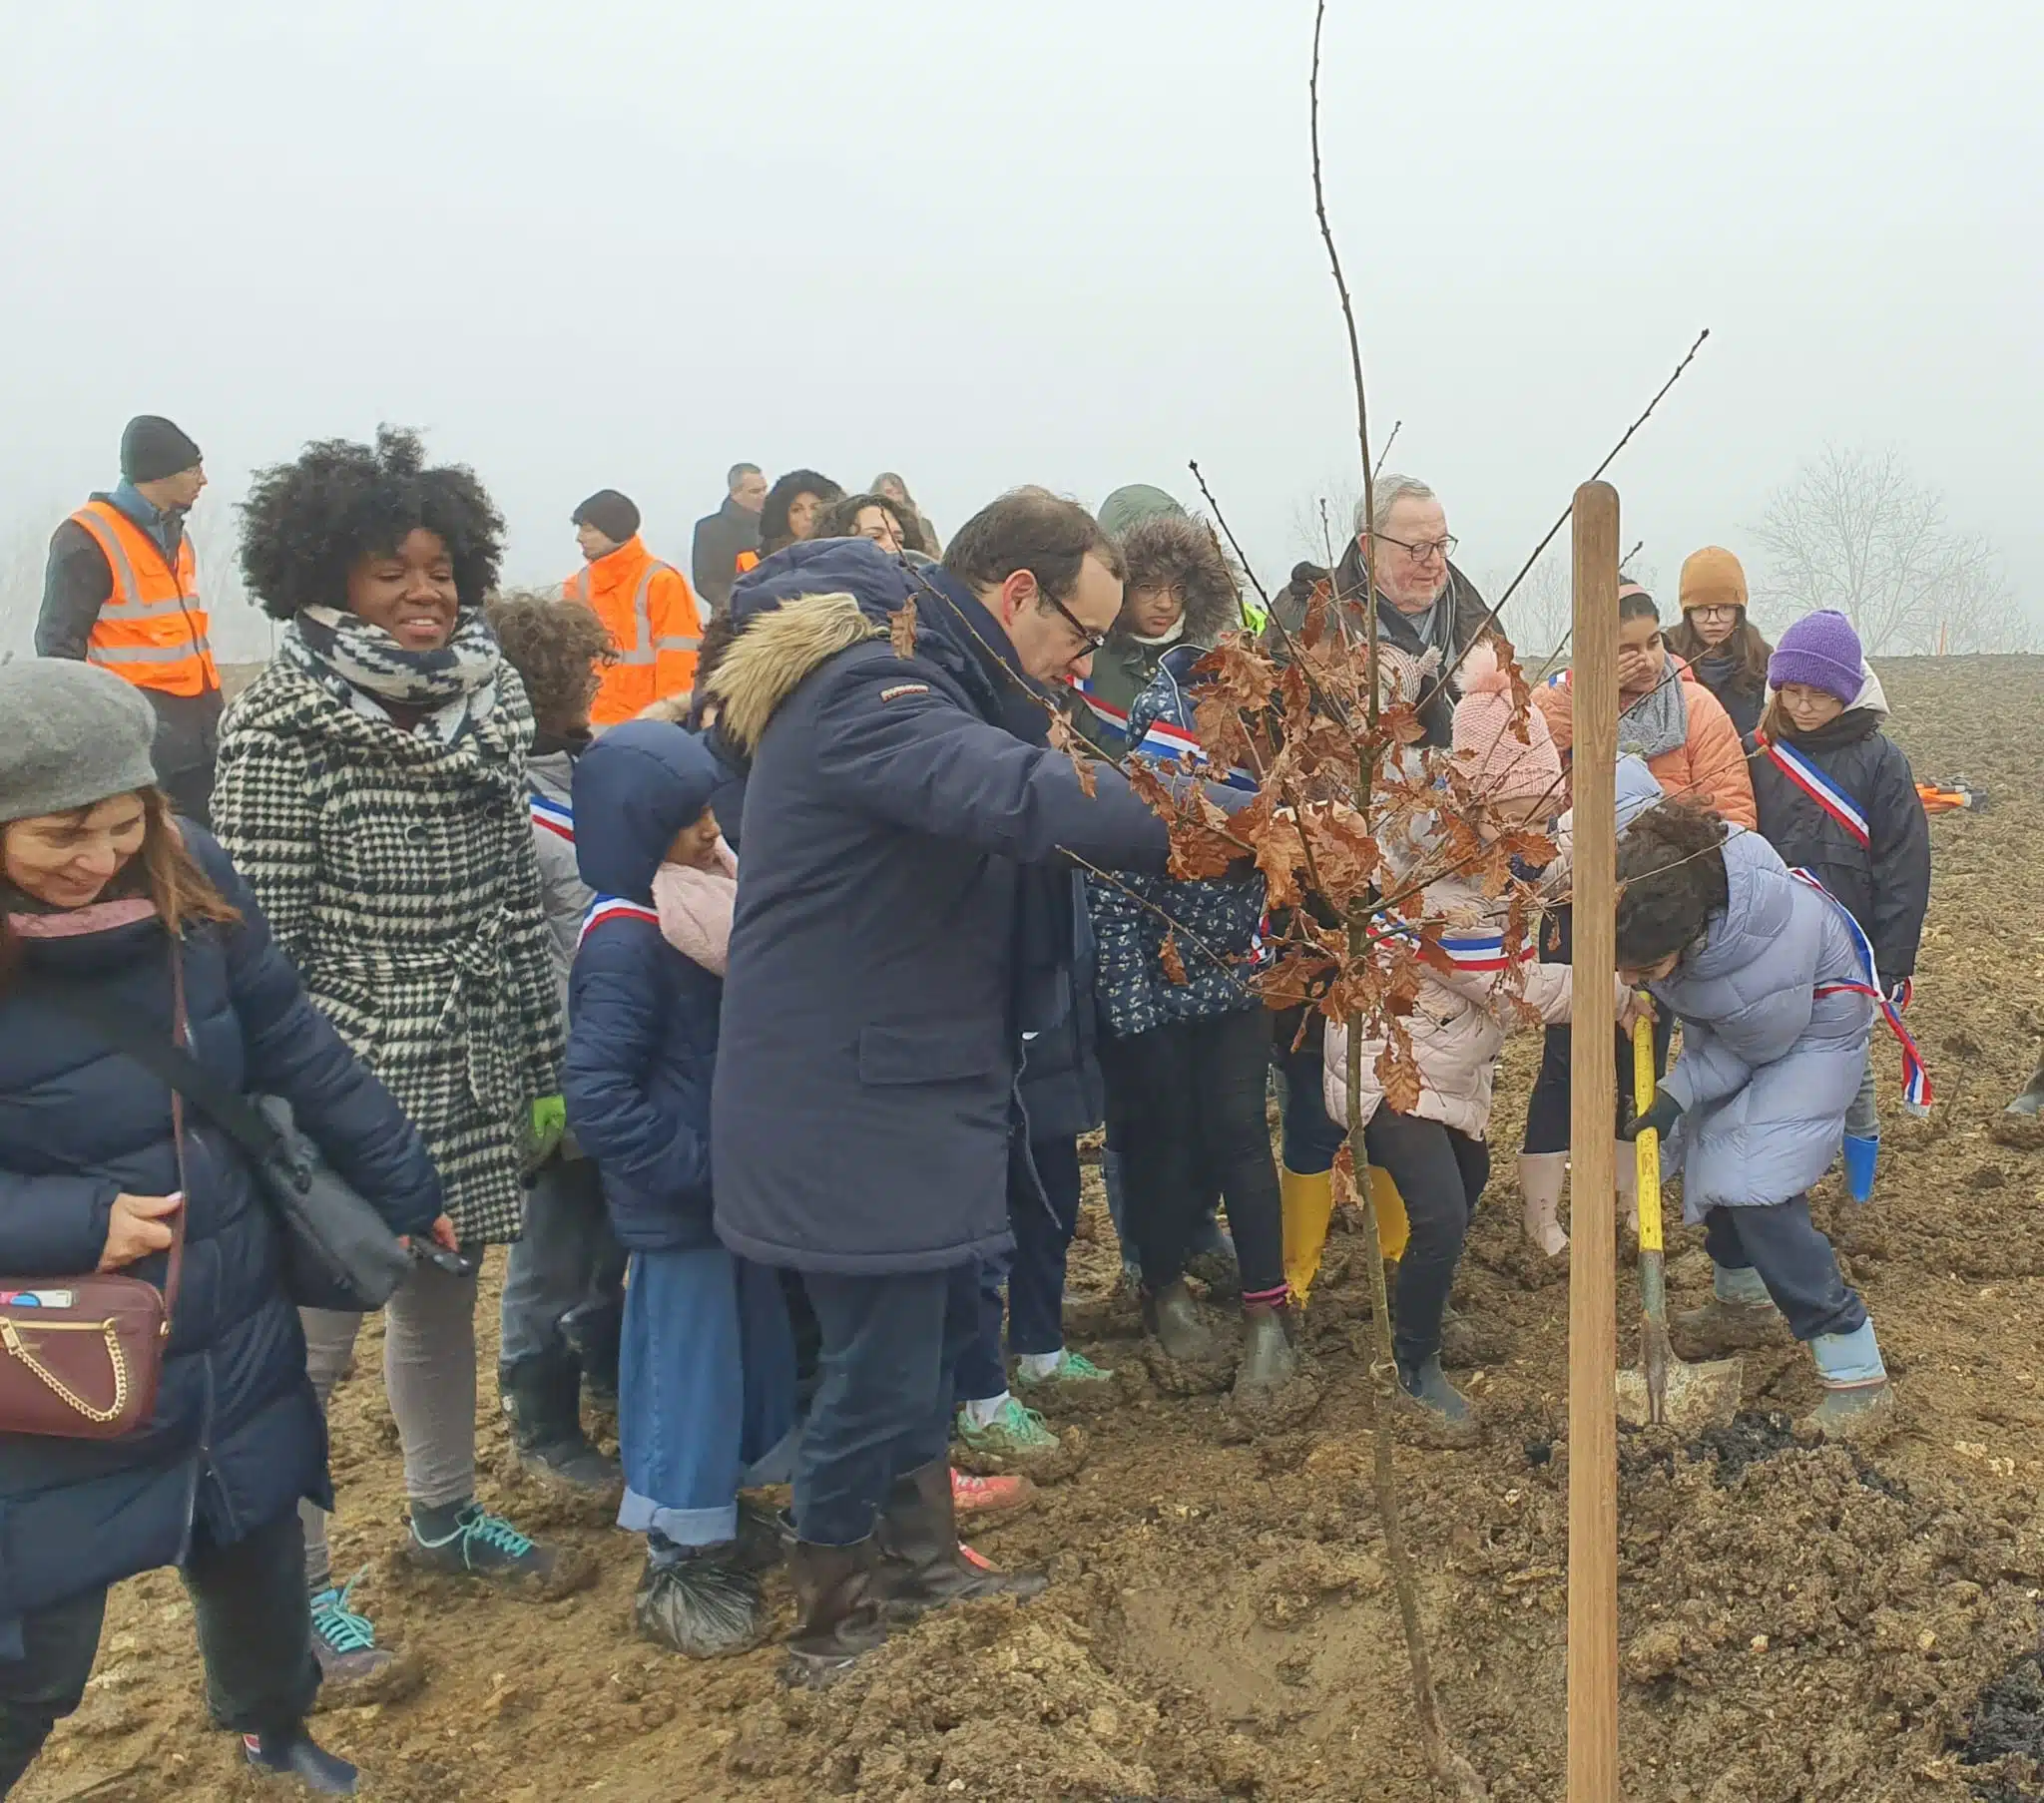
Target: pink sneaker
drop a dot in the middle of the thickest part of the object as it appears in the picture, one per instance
(985, 1497)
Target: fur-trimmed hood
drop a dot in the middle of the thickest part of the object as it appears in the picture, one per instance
(776, 653)
(1174, 550)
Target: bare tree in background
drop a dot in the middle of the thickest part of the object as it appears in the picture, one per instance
(1310, 535)
(1856, 531)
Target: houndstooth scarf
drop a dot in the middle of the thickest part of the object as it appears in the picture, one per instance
(1658, 722)
(361, 666)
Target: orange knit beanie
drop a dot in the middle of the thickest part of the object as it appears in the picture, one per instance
(1711, 578)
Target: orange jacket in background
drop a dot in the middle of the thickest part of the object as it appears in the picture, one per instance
(650, 612)
(1707, 768)
(153, 628)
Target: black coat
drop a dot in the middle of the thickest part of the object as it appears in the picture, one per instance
(719, 537)
(1743, 699)
(902, 915)
(1884, 884)
(236, 1438)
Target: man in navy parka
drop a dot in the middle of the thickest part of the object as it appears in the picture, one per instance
(902, 918)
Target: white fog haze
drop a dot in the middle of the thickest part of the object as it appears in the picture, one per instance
(622, 244)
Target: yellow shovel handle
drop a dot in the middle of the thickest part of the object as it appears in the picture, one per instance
(1647, 1148)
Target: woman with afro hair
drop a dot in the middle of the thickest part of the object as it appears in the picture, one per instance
(372, 790)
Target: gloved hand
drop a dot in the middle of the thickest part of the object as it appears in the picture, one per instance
(549, 1124)
(1661, 1115)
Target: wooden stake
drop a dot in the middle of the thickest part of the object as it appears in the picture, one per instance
(1593, 1333)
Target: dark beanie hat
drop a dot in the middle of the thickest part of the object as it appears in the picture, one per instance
(152, 448)
(611, 513)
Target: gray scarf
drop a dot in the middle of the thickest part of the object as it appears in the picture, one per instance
(1657, 723)
(360, 664)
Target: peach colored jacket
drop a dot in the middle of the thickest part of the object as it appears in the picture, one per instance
(1707, 767)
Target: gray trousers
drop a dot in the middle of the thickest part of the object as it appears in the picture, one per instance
(429, 1374)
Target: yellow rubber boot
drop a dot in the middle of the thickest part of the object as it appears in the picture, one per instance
(1308, 1204)
(1392, 1226)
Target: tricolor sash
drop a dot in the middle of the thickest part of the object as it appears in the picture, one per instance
(1163, 741)
(614, 907)
(1818, 787)
(1916, 1096)
(551, 816)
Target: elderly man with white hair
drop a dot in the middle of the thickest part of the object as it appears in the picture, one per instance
(1424, 601)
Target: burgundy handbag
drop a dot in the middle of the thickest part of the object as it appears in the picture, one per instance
(81, 1357)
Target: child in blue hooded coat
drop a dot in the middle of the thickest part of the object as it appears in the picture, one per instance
(706, 1388)
(1775, 992)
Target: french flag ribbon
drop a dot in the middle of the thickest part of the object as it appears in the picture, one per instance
(1165, 742)
(614, 907)
(1481, 954)
(551, 816)
(1818, 787)
(1916, 1094)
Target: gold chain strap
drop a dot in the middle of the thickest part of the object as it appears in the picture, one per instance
(10, 1338)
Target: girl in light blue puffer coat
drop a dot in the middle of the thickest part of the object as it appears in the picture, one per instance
(1766, 974)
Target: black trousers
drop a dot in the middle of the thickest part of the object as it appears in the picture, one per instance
(1441, 1173)
(254, 1634)
(1189, 1104)
(889, 1351)
(1547, 1109)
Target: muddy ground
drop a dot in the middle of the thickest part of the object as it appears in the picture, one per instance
(1796, 1623)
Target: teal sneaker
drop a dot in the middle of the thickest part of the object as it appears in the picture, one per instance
(1016, 1431)
(468, 1541)
(344, 1642)
(1072, 1368)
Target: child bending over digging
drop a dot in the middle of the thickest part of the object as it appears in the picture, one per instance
(1773, 985)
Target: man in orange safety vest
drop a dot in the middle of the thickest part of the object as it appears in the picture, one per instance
(648, 606)
(121, 590)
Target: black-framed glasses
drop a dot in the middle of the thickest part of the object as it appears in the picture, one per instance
(1421, 552)
(1092, 641)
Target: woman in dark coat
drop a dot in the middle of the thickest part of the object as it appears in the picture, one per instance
(105, 896)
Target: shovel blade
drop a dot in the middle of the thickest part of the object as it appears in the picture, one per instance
(1695, 1397)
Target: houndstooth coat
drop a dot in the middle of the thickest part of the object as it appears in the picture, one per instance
(397, 873)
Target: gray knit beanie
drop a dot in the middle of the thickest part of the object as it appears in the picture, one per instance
(71, 735)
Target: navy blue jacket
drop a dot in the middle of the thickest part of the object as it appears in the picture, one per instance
(902, 914)
(1884, 884)
(236, 1438)
(642, 1035)
(1061, 1090)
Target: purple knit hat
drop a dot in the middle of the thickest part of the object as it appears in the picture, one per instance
(1820, 651)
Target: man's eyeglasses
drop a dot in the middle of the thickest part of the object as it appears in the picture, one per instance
(1087, 636)
(1420, 553)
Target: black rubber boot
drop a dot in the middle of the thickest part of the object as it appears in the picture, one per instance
(596, 1330)
(543, 1395)
(838, 1615)
(699, 1600)
(298, 1755)
(764, 1537)
(922, 1566)
(1173, 1319)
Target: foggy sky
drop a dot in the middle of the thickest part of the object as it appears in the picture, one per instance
(622, 244)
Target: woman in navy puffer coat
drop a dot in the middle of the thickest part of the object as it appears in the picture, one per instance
(94, 867)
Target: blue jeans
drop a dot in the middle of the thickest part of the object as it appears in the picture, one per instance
(890, 1344)
(1794, 1260)
(706, 1391)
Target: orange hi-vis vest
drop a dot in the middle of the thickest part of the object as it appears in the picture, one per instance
(153, 628)
(652, 615)
(748, 560)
